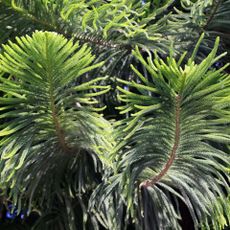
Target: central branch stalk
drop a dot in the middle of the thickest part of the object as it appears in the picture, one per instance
(173, 152)
(58, 129)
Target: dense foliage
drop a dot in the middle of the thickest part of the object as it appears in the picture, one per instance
(114, 114)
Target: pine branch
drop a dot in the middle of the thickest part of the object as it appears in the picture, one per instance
(44, 124)
(168, 137)
(83, 37)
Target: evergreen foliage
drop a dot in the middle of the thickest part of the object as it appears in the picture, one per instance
(164, 151)
(115, 114)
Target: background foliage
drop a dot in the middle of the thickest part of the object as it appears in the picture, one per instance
(114, 114)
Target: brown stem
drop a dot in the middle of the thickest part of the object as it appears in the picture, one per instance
(58, 130)
(211, 16)
(173, 152)
(96, 41)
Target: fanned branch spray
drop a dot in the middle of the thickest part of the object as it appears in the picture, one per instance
(167, 154)
(52, 139)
